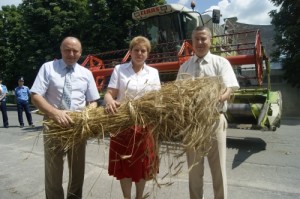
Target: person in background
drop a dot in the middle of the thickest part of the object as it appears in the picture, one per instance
(22, 94)
(132, 153)
(3, 93)
(60, 86)
(203, 63)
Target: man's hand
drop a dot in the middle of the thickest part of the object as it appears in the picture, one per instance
(226, 95)
(62, 118)
(58, 116)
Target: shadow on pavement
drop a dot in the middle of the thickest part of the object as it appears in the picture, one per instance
(290, 121)
(33, 129)
(246, 147)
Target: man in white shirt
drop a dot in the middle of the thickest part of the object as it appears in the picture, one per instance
(203, 63)
(47, 94)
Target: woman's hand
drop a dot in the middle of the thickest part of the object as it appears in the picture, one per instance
(112, 106)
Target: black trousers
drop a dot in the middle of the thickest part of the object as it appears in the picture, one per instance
(24, 105)
(4, 113)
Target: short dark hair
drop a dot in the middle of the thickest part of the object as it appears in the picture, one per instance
(202, 28)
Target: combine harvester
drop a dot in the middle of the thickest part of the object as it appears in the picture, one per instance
(169, 28)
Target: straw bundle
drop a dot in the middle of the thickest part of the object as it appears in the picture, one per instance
(184, 111)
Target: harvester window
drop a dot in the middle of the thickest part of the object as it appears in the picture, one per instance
(151, 32)
(169, 28)
(189, 24)
(163, 29)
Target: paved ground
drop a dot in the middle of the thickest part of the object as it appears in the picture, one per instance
(261, 165)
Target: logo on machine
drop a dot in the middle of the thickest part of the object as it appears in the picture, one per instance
(149, 12)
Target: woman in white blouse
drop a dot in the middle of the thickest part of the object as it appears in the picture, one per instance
(132, 154)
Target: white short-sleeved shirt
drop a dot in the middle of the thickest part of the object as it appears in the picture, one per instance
(210, 65)
(133, 85)
(50, 83)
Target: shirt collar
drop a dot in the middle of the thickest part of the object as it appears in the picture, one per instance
(65, 65)
(129, 66)
(206, 58)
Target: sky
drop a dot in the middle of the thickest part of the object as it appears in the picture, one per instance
(9, 2)
(247, 11)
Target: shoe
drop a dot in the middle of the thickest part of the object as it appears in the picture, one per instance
(6, 126)
(22, 126)
(32, 125)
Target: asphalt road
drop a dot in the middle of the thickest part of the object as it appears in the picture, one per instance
(260, 165)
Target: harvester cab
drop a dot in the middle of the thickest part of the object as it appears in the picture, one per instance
(169, 28)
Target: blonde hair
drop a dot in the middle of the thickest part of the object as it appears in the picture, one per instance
(142, 41)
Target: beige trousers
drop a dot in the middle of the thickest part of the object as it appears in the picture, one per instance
(217, 163)
(54, 163)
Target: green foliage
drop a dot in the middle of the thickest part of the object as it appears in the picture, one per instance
(287, 38)
(10, 41)
(31, 32)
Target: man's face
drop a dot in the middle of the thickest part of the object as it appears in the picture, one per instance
(201, 42)
(70, 51)
(21, 82)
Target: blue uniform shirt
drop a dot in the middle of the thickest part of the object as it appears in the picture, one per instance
(4, 91)
(22, 93)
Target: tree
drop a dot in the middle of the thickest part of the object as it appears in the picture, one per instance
(56, 20)
(31, 33)
(10, 44)
(124, 15)
(287, 38)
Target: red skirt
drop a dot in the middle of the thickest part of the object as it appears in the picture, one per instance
(132, 154)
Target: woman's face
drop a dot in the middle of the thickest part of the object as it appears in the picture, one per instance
(139, 54)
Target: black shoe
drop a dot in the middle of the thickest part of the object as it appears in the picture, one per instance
(32, 125)
(6, 126)
(22, 126)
